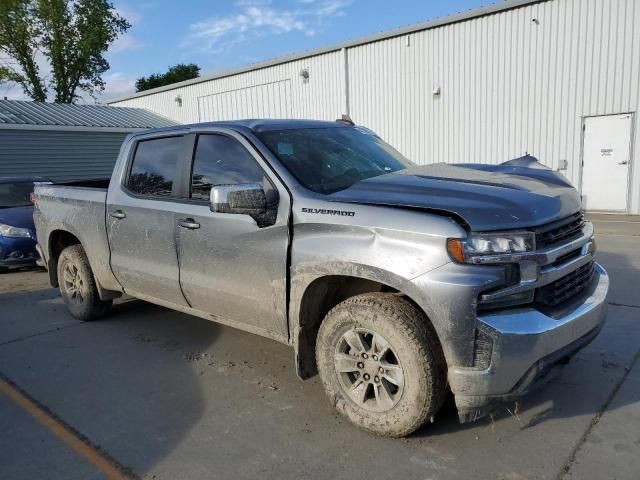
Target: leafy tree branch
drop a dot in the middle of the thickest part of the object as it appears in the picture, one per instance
(177, 73)
(70, 37)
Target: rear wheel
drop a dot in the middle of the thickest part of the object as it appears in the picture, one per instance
(78, 286)
(381, 364)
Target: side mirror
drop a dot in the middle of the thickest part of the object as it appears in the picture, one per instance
(244, 198)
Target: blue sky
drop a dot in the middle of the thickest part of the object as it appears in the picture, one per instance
(219, 34)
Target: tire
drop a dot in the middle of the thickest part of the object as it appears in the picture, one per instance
(4, 270)
(411, 384)
(78, 286)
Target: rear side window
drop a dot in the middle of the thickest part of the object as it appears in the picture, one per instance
(221, 160)
(154, 167)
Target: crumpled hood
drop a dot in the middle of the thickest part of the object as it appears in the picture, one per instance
(21, 217)
(486, 197)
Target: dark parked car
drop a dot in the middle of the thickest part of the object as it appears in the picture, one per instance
(17, 233)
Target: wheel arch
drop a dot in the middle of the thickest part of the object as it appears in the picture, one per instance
(312, 301)
(58, 240)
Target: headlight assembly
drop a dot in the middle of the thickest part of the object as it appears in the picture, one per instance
(477, 246)
(14, 232)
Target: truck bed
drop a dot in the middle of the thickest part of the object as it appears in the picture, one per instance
(100, 183)
(77, 208)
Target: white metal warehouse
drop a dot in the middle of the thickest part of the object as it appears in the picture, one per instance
(558, 79)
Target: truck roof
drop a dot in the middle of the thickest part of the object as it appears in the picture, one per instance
(260, 125)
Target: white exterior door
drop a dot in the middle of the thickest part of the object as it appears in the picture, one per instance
(607, 158)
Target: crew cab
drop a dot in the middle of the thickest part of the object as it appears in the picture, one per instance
(396, 282)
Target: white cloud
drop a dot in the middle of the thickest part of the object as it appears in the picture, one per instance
(253, 2)
(10, 90)
(14, 91)
(117, 84)
(257, 18)
(125, 43)
(132, 15)
(331, 8)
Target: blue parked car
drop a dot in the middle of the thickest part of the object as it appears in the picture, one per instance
(17, 232)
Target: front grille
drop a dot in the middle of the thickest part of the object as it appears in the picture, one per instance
(565, 287)
(560, 231)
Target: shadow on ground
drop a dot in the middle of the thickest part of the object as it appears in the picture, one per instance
(125, 382)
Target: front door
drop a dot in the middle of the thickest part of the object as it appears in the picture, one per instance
(607, 160)
(230, 267)
(141, 221)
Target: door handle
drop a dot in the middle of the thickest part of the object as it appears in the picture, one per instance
(623, 163)
(189, 223)
(119, 214)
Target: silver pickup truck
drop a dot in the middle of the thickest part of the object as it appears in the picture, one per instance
(396, 282)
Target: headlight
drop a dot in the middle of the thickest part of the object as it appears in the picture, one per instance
(14, 232)
(476, 245)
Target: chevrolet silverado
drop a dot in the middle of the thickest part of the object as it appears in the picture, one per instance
(396, 282)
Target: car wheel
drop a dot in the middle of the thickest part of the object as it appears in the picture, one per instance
(78, 286)
(4, 270)
(381, 363)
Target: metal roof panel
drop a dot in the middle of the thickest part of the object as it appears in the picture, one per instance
(18, 112)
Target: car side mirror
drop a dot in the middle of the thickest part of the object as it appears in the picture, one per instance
(243, 198)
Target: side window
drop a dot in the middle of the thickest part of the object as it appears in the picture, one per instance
(221, 160)
(154, 166)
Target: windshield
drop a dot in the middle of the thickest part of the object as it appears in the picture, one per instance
(326, 160)
(15, 194)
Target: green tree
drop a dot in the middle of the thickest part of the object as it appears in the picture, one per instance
(174, 74)
(72, 36)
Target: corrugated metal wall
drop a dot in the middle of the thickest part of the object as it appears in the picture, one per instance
(270, 99)
(58, 155)
(321, 98)
(512, 82)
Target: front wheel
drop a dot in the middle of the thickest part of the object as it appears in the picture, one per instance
(77, 285)
(381, 364)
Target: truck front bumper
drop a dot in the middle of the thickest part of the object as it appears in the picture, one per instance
(528, 345)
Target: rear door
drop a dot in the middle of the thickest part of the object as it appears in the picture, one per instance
(230, 267)
(141, 220)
